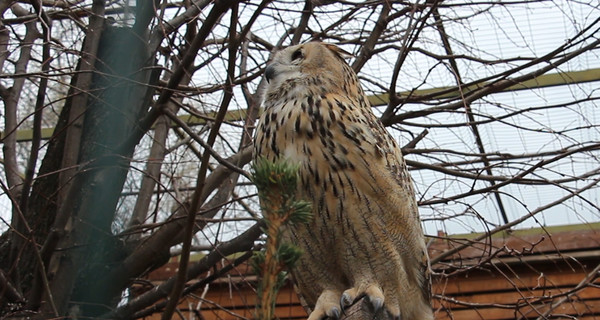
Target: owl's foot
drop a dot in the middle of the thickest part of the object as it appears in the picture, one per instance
(375, 297)
(327, 306)
(372, 292)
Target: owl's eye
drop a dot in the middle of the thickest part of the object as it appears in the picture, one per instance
(297, 55)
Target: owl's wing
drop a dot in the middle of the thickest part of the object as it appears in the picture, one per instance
(383, 158)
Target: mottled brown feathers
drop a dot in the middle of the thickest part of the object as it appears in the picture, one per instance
(366, 237)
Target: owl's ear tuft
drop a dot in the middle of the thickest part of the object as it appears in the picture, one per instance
(339, 51)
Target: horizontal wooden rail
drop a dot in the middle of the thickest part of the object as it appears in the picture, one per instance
(543, 81)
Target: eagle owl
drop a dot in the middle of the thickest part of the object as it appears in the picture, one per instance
(365, 238)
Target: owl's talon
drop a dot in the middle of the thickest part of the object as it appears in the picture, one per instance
(375, 296)
(349, 297)
(394, 316)
(377, 303)
(327, 306)
(345, 301)
(334, 313)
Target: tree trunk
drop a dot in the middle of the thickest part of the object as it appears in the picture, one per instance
(88, 248)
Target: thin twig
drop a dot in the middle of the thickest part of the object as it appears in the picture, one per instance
(195, 204)
(36, 251)
(511, 224)
(589, 278)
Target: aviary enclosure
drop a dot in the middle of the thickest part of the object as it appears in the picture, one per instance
(122, 120)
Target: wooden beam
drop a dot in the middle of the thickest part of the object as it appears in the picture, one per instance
(27, 134)
(534, 231)
(543, 81)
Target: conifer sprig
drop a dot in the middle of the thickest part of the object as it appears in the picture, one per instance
(276, 183)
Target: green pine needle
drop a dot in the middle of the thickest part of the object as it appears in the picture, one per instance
(276, 183)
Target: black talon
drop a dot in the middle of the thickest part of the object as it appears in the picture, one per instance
(336, 313)
(377, 305)
(393, 317)
(344, 303)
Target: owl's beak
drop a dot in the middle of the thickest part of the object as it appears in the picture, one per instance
(269, 72)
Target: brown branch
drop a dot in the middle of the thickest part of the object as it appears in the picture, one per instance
(40, 283)
(197, 285)
(588, 279)
(468, 110)
(71, 151)
(501, 118)
(71, 12)
(164, 29)
(494, 156)
(196, 198)
(409, 39)
(79, 99)
(206, 145)
(4, 39)
(366, 50)
(11, 168)
(509, 225)
(303, 24)
(483, 177)
(9, 290)
(28, 235)
(218, 9)
(158, 148)
(494, 87)
(464, 57)
(19, 232)
(413, 143)
(243, 242)
(39, 107)
(557, 53)
(517, 177)
(151, 251)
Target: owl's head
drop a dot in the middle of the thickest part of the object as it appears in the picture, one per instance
(310, 64)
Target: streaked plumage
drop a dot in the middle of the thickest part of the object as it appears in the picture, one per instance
(366, 235)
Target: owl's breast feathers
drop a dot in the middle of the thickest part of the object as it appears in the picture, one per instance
(346, 157)
(333, 133)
